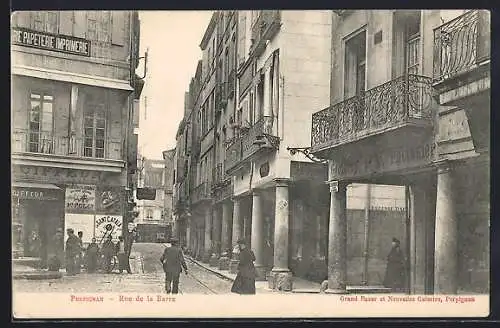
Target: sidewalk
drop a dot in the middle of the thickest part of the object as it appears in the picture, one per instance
(22, 271)
(299, 285)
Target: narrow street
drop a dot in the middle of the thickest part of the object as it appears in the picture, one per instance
(151, 280)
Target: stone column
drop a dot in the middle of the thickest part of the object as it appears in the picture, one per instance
(208, 235)
(226, 235)
(237, 232)
(257, 242)
(446, 251)
(281, 276)
(337, 239)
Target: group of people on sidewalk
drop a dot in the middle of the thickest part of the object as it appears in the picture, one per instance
(92, 257)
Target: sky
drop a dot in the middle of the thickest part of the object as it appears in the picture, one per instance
(173, 39)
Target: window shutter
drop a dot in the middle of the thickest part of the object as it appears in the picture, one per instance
(66, 22)
(118, 29)
(79, 24)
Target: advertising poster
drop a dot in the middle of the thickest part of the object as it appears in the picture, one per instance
(80, 199)
(109, 200)
(106, 225)
(80, 222)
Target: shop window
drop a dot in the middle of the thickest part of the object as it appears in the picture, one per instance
(94, 131)
(40, 123)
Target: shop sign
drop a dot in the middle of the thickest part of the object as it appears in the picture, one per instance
(49, 41)
(109, 200)
(381, 161)
(106, 225)
(80, 199)
(57, 175)
(34, 194)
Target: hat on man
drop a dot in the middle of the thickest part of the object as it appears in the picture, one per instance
(173, 241)
(70, 230)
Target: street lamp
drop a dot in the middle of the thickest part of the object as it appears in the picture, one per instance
(306, 151)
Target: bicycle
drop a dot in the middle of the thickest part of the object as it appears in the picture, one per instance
(113, 265)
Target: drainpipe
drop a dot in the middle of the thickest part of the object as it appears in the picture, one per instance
(367, 233)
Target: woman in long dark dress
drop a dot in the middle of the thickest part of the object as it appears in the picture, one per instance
(92, 256)
(244, 282)
(395, 271)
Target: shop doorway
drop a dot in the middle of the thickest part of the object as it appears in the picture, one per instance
(38, 224)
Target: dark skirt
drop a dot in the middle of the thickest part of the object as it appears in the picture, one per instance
(243, 285)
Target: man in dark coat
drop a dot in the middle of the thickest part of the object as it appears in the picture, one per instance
(108, 251)
(173, 263)
(92, 256)
(244, 283)
(122, 256)
(72, 250)
(395, 271)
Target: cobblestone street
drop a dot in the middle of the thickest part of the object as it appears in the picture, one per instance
(150, 281)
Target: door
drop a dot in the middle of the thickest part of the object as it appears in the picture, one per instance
(355, 79)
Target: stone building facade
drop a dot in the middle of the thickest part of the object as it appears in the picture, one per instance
(73, 146)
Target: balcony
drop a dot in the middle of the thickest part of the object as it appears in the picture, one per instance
(32, 150)
(201, 193)
(257, 139)
(461, 46)
(264, 29)
(402, 102)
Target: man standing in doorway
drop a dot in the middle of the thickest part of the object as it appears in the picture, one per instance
(173, 263)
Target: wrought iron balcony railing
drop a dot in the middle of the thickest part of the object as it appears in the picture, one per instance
(201, 193)
(233, 154)
(389, 105)
(24, 141)
(258, 137)
(265, 28)
(461, 44)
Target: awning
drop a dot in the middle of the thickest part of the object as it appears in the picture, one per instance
(34, 185)
(47, 74)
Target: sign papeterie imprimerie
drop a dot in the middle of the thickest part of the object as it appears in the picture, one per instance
(49, 41)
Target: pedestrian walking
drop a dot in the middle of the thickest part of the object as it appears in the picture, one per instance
(395, 271)
(92, 256)
(122, 256)
(72, 249)
(244, 283)
(108, 251)
(173, 263)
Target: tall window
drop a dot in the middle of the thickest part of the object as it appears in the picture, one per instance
(413, 44)
(355, 65)
(38, 21)
(149, 214)
(41, 122)
(92, 25)
(103, 30)
(94, 134)
(51, 23)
